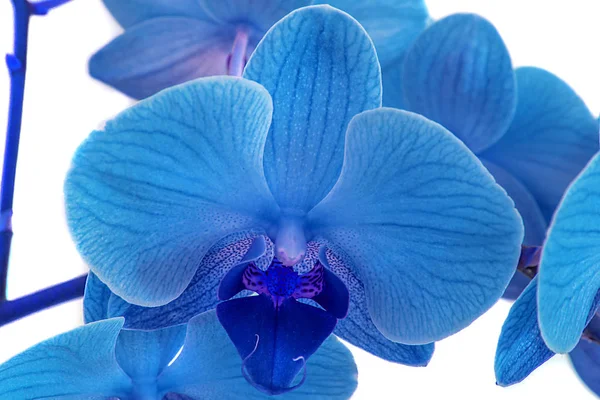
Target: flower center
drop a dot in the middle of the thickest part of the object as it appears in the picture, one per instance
(281, 282)
(290, 241)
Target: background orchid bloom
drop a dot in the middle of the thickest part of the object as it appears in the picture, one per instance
(521, 348)
(564, 296)
(414, 226)
(170, 42)
(528, 127)
(102, 360)
(568, 277)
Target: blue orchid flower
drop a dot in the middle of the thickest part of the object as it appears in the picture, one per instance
(562, 317)
(417, 230)
(528, 127)
(568, 279)
(167, 43)
(521, 349)
(102, 360)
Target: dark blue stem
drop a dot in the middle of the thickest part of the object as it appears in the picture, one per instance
(16, 64)
(17, 67)
(12, 310)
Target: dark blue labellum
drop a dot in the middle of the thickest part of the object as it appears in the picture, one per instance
(273, 332)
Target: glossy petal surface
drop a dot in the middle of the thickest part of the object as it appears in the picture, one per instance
(165, 181)
(521, 348)
(201, 293)
(533, 219)
(393, 25)
(569, 276)
(429, 233)
(321, 69)
(331, 372)
(551, 139)
(143, 355)
(161, 53)
(275, 342)
(459, 73)
(586, 361)
(261, 14)
(358, 328)
(79, 364)
(131, 12)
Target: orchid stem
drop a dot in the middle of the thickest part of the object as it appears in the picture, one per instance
(237, 58)
(17, 67)
(12, 310)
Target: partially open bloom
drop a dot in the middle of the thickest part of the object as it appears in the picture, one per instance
(167, 43)
(194, 361)
(528, 127)
(386, 201)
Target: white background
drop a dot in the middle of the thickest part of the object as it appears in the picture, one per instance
(63, 105)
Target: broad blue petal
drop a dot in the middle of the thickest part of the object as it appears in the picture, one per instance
(393, 25)
(569, 276)
(586, 361)
(131, 12)
(459, 73)
(95, 299)
(259, 14)
(552, 137)
(209, 368)
(79, 364)
(533, 219)
(321, 69)
(428, 232)
(274, 342)
(143, 355)
(161, 53)
(358, 328)
(149, 195)
(521, 348)
(201, 293)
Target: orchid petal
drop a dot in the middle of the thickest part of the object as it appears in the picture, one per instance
(552, 137)
(76, 365)
(585, 358)
(358, 328)
(161, 53)
(209, 368)
(201, 293)
(95, 299)
(533, 219)
(391, 79)
(260, 14)
(459, 73)
(393, 25)
(148, 196)
(131, 12)
(144, 355)
(569, 273)
(429, 233)
(521, 348)
(321, 69)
